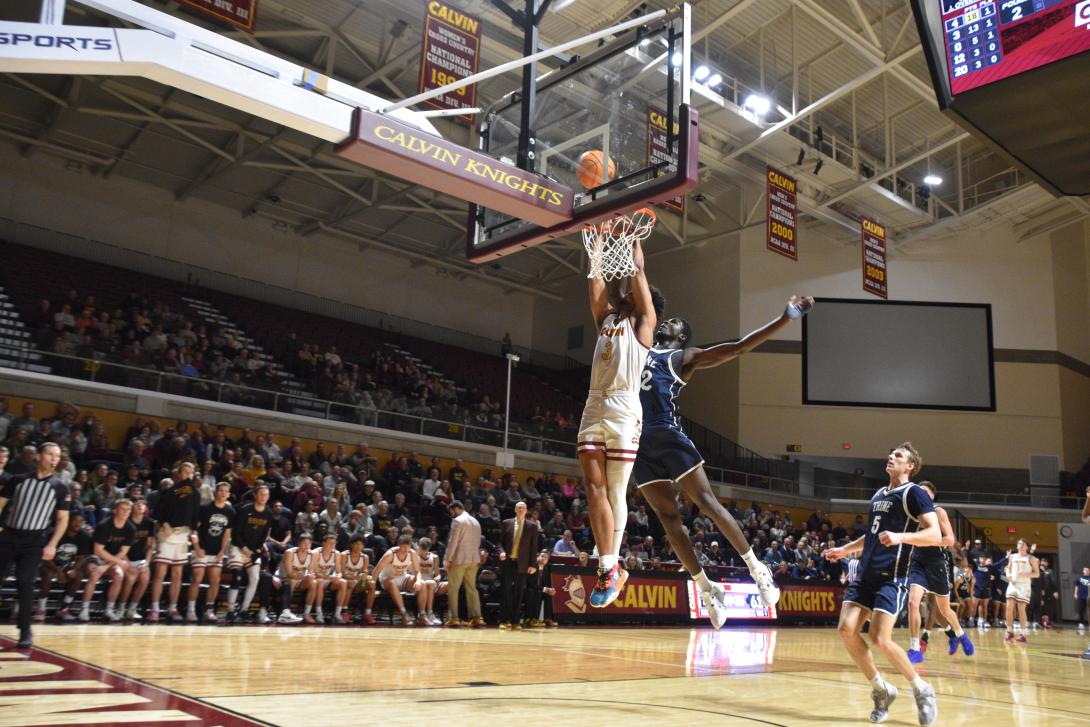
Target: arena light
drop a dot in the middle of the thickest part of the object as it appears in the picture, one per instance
(932, 180)
(758, 104)
(701, 73)
(715, 80)
(675, 59)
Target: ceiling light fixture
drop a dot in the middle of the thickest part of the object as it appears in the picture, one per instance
(701, 73)
(758, 104)
(932, 180)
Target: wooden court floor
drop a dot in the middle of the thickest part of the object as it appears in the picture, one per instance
(570, 676)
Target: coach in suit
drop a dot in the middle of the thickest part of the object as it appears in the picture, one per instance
(519, 542)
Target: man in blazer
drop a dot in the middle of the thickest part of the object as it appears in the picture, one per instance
(519, 543)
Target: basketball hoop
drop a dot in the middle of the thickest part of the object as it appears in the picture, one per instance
(609, 243)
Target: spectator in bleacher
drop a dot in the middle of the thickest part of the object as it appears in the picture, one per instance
(26, 463)
(773, 556)
(555, 527)
(105, 495)
(566, 545)
(307, 519)
(431, 485)
(309, 491)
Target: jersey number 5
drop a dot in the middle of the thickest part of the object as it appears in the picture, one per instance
(875, 524)
(645, 383)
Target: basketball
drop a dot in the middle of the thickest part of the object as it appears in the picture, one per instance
(589, 168)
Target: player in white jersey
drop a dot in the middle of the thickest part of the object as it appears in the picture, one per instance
(327, 574)
(295, 570)
(396, 572)
(356, 571)
(427, 585)
(609, 433)
(1022, 568)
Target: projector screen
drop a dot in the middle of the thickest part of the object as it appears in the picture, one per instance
(898, 354)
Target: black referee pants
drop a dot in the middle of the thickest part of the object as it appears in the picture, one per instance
(24, 549)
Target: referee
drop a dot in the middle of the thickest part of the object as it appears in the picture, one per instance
(30, 503)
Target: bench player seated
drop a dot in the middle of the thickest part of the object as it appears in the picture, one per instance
(355, 568)
(68, 567)
(296, 571)
(327, 575)
(139, 573)
(397, 569)
(112, 540)
(428, 584)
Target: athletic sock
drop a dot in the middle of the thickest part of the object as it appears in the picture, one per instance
(750, 560)
(702, 580)
(174, 607)
(109, 606)
(914, 644)
(306, 609)
(918, 683)
(192, 607)
(949, 631)
(606, 562)
(68, 598)
(337, 612)
(232, 598)
(86, 607)
(878, 682)
(42, 602)
(367, 611)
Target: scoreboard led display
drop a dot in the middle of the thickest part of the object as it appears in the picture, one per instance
(990, 40)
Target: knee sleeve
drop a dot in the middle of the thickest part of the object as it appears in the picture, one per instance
(617, 474)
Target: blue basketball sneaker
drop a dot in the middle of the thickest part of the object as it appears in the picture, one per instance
(966, 645)
(915, 656)
(609, 586)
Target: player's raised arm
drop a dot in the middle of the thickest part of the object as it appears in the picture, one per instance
(646, 319)
(599, 300)
(703, 358)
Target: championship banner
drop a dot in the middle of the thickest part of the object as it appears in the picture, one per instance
(658, 151)
(240, 13)
(874, 258)
(650, 596)
(450, 52)
(810, 603)
(783, 214)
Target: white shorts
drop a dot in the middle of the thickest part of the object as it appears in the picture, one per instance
(611, 424)
(208, 561)
(139, 564)
(174, 548)
(403, 582)
(1019, 591)
(235, 558)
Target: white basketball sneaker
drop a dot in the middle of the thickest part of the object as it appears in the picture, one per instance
(714, 601)
(770, 594)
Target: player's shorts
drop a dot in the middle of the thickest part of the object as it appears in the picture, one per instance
(665, 455)
(235, 558)
(1019, 591)
(932, 577)
(887, 596)
(208, 561)
(174, 548)
(981, 593)
(139, 564)
(611, 424)
(403, 582)
(999, 595)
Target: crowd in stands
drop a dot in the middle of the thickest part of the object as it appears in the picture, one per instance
(150, 334)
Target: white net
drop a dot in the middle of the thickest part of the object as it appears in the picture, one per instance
(609, 243)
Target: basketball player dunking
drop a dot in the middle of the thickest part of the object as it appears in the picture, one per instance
(928, 574)
(666, 455)
(902, 517)
(609, 433)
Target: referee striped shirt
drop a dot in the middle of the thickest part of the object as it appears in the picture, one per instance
(33, 501)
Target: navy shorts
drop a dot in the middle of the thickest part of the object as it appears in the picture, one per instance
(665, 455)
(931, 576)
(981, 593)
(887, 596)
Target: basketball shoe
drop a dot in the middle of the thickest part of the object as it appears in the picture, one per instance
(762, 576)
(927, 707)
(713, 599)
(915, 656)
(609, 586)
(882, 699)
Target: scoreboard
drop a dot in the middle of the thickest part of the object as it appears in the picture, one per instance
(989, 40)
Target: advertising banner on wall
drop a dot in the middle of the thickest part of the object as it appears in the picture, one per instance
(783, 214)
(450, 52)
(650, 596)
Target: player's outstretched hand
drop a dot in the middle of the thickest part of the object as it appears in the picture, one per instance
(887, 538)
(834, 554)
(798, 307)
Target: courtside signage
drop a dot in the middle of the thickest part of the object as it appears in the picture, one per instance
(450, 52)
(875, 279)
(811, 603)
(240, 13)
(655, 597)
(31, 41)
(382, 143)
(658, 152)
(783, 214)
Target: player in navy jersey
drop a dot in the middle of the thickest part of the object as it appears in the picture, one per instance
(666, 455)
(901, 518)
(929, 575)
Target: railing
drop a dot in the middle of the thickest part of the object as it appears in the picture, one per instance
(135, 377)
